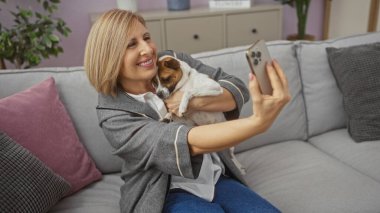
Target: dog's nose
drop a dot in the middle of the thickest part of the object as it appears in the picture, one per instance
(163, 93)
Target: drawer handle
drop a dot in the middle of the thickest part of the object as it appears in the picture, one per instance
(196, 36)
(254, 30)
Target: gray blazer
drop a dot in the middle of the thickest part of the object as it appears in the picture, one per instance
(153, 150)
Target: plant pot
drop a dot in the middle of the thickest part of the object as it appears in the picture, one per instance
(294, 37)
(2, 64)
(178, 4)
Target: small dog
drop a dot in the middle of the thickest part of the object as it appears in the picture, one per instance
(176, 75)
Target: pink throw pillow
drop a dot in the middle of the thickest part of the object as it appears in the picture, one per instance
(37, 120)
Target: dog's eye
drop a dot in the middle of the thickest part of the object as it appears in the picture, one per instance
(166, 80)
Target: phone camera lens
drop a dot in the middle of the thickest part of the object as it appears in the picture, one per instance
(256, 62)
(259, 54)
(253, 54)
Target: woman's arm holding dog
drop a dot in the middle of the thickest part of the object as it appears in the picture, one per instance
(221, 103)
(216, 137)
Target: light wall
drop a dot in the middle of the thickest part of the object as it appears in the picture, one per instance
(76, 15)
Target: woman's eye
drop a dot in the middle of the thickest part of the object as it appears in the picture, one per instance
(147, 38)
(131, 44)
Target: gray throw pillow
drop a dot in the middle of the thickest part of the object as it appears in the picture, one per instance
(26, 184)
(357, 73)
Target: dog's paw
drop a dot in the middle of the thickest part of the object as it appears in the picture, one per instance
(168, 117)
(181, 112)
(184, 103)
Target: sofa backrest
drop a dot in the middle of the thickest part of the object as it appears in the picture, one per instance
(316, 106)
(324, 102)
(291, 123)
(80, 100)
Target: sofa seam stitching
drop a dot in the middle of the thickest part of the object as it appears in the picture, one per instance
(298, 47)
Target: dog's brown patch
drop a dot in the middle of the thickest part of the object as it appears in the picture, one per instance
(169, 72)
(172, 64)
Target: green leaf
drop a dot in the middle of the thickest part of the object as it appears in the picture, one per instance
(47, 42)
(53, 8)
(41, 47)
(38, 15)
(53, 38)
(45, 4)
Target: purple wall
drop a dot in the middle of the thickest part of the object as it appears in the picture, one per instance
(76, 15)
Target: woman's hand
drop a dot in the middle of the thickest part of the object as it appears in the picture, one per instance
(173, 101)
(267, 107)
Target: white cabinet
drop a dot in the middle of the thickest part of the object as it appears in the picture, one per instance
(245, 27)
(347, 17)
(204, 29)
(194, 34)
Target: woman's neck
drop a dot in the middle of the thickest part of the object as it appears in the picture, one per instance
(138, 87)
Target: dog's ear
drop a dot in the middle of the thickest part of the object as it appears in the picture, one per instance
(172, 64)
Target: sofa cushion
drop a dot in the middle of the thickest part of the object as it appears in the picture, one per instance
(364, 157)
(80, 100)
(233, 61)
(324, 102)
(101, 196)
(356, 70)
(37, 120)
(297, 177)
(27, 184)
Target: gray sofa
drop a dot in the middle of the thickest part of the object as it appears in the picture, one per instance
(305, 163)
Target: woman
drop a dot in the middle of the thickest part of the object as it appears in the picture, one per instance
(171, 167)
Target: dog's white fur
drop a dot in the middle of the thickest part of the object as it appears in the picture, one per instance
(194, 84)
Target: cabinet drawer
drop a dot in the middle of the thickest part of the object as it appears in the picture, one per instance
(192, 35)
(154, 28)
(246, 28)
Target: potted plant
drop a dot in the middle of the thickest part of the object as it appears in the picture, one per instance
(302, 8)
(32, 36)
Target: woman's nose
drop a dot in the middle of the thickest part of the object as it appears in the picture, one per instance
(146, 49)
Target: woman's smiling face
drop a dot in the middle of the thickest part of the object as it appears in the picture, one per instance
(140, 58)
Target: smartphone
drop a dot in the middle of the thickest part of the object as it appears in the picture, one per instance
(258, 56)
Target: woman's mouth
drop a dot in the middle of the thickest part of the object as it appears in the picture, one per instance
(147, 63)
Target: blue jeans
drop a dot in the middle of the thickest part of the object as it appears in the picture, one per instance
(230, 196)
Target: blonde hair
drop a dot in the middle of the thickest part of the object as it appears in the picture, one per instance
(105, 48)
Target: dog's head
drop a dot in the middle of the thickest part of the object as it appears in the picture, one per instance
(168, 75)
